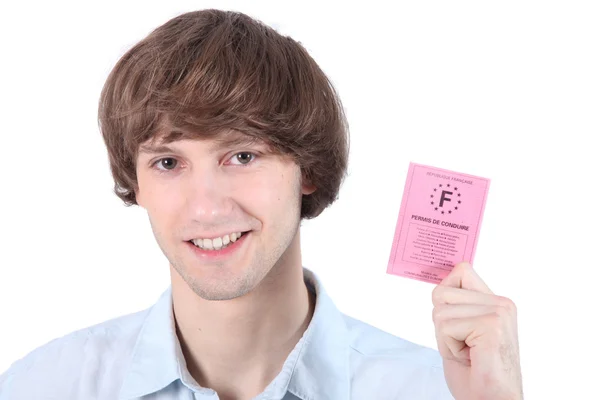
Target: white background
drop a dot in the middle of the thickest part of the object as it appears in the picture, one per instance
(505, 90)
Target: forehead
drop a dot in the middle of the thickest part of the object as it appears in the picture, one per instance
(225, 139)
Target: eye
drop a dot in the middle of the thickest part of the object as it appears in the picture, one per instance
(244, 157)
(169, 163)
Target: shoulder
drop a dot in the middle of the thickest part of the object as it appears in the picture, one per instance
(86, 358)
(369, 341)
(393, 366)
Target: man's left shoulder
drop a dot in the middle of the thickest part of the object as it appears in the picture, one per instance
(385, 366)
(371, 341)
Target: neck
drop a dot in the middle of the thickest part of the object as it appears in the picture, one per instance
(249, 337)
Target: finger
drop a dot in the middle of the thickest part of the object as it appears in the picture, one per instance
(464, 276)
(493, 335)
(451, 295)
(460, 329)
(452, 311)
(452, 349)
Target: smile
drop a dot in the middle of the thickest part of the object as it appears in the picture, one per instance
(222, 251)
(218, 243)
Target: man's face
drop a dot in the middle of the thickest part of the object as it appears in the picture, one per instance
(200, 190)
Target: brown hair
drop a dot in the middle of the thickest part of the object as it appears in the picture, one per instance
(207, 71)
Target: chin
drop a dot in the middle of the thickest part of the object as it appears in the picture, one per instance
(221, 286)
(219, 292)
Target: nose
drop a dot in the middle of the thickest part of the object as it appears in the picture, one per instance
(208, 195)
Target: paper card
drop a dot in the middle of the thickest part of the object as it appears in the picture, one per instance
(438, 223)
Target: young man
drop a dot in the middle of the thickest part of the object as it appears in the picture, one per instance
(229, 134)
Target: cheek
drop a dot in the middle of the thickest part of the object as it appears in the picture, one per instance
(163, 206)
(273, 191)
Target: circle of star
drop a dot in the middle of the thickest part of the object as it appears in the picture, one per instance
(450, 207)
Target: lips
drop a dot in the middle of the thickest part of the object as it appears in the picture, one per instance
(221, 253)
(219, 242)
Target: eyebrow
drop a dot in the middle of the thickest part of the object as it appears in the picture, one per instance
(147, 149)
(220, 144)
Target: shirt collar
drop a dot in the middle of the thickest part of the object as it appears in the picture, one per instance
(322, 371)
(317, 367)
(154, 360)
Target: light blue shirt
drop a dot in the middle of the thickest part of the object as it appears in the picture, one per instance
(139, 356)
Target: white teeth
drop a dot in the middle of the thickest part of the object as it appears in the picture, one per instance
(217, 243)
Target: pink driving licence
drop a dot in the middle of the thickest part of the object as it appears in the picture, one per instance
(438, 223)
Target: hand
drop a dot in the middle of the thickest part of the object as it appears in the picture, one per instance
(476, 333)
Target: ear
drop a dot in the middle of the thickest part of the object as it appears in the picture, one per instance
(308, 188)
(138, 198)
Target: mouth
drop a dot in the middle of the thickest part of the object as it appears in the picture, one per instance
(219, 251)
